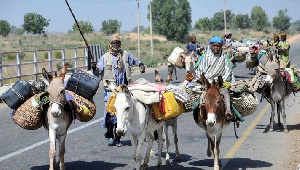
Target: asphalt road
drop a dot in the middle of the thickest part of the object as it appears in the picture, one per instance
(86, 147)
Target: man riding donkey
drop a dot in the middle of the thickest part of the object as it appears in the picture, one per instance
(275, 41)
(216, 63)
(283, 49)
(115, 66)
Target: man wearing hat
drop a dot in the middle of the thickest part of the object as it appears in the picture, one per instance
(275, 41)
(216, 63)
(115, 66)
(283, 48)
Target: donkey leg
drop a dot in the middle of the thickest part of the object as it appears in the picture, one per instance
(62, 140)
(282, 106)
(167, 143)
(278, 114)
(174, 127)
(272, 116)
(52, 150)
(149, 139)
(210, 145)
(159, 141)
(139, 150)
(217, 150)
(134, 146)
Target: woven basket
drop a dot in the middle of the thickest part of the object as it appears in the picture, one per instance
(246, 104)
(194, 96)
(81, 114)
(29, 117)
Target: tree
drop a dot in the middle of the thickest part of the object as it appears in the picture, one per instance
(111, 26)
(296, 25)
(35, 23)
(217, 21)
(85, 27)
(242, 21)
(171, 18)
(13, 29)
(259, 19)
(4, 28)
(282, 21)
(203, 24)
(135, 29)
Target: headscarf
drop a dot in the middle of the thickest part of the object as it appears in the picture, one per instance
(216, 39)
(283, 34)
(116, 52)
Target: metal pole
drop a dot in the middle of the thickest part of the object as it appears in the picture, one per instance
(138, 27)
(150, 11)
(1, 77)
(225, 16)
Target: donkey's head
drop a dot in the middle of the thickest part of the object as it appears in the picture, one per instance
(56, 91)
(273, 72)
(273, 53)
(189, 63)
(213, 108)
(124, 107)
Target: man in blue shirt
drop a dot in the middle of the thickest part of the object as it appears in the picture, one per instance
(115, 66)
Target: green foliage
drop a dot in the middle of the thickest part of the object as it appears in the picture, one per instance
(217, 21)
(4, 28)
(13, 29)
(171, 18)
(46, 55)
(111, 26)
(57, 55)
(282, 21)
(150, 61)
(135, 29)
(203, 24)
(85, 27)
(242, 21)
(20, 31)
(58, 66)
(259, 18)
(147, 30)
(296, 25)
(35, 23)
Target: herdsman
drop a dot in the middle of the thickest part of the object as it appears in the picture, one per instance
(115, 66)
(216, 63)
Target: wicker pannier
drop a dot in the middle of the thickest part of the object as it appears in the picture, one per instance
(29, 116)
(246, 104)
(85, 109)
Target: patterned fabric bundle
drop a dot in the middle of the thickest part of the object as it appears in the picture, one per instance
(179, 93)
(29, 115)
(85, 109)
(194, 95)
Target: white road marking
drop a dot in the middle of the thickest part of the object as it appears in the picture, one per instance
(2, 158)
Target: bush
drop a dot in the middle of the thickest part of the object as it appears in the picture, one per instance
(57, 54)
(46, 55)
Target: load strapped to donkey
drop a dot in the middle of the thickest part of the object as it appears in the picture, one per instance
(30, 100)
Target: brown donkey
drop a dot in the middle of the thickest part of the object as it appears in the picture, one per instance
(211, 117)
(57, 120)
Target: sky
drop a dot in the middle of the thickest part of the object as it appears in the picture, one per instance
(125, 11)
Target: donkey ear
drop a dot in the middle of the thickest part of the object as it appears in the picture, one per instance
(157, 77)
(205, 81)
(112, 86)
(125, 90)
(220, 81)
(46, 75)
(64, 70)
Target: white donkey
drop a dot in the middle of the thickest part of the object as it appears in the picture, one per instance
(134, 117)
(57, 120)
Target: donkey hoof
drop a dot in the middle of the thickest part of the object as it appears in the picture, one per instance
(168, 162)
(271, 130)
(178, 159)
(280, 125)
(208, 153)
(286, 130)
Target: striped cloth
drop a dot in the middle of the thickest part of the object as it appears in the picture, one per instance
(213, 66)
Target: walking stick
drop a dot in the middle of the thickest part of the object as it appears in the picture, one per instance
(90, 55)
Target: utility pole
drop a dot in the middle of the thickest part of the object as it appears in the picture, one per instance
(225, 16)
(150, 11)
(138, 27)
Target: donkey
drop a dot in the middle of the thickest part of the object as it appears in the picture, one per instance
(57, 120)
(170, 122)
(275, 93)
(135, 117)
(189, 64)
(211, 117)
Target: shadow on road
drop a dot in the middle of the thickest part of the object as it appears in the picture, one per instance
(79, 165)
(245, 163)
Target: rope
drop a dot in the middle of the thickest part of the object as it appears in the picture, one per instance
(234, 126)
